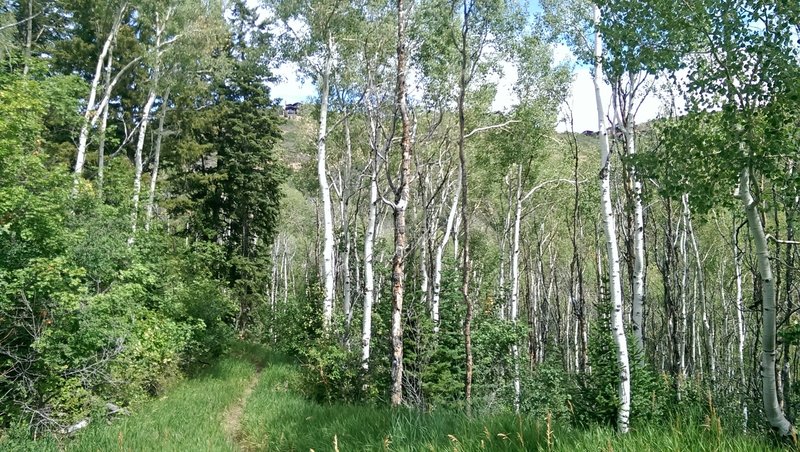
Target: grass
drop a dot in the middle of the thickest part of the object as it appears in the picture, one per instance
(276, 417)
(187, 418)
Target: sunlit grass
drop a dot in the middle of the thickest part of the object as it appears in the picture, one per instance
(187, 418)
(278, 418)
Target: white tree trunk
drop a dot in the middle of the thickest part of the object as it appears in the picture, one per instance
(740, 324)
(684, 289)
(637, 302)
(137, 161)
(701, 291)
(345, 222)
(369, 233)
(624, 107)
(400, 205)
(101, 148)
(437, 263)
(92, 110)
(769, 391)
(151, 198)
(327, 208)
(369, 273)
(515, 284)
(609, 225)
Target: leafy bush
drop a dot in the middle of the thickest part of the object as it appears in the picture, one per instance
(331, 372)
(548, 390)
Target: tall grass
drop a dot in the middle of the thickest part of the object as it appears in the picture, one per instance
(278, 418)
(188, 418)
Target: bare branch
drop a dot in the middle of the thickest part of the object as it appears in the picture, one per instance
(495, 126)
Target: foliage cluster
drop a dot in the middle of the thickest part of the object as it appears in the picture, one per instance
(96, 314)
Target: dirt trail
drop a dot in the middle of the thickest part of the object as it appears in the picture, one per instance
(232, 419)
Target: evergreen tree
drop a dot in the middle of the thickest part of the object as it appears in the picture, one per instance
(235, 188)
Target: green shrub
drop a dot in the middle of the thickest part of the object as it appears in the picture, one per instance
(548, 390)
(331, 372)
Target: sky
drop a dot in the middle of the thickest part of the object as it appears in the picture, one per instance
(581, 101)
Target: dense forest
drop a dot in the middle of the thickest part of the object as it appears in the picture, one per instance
(403, 244)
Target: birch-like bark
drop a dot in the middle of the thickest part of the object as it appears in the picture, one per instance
(737, 259)
(684, 287)
(505, 310)
(769, 392)
(28, 40)
(325, 191)
(701, 291)
(637, 301)
(609, 226)
(369, 273)
(514, 299)
(92, 110)
(101, 147)
(151, 198)
(624, 108)
(148, 105)
(437, 263)
(786, 375)
(137, 160)
(369, 234)
(345, 203)
(399, 206)
(465, 258)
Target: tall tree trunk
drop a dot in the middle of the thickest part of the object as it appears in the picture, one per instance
(92, 109)
(464, 77)
(151, 198)
(400, 205)
(325, 192)
(637, 302)
(345, 204)
(101, 147)
(28, 40)
(609, 225)
(576, 268)
(369, 273)
(786, 375)
(369, 233)
(624, 109)
(515, 283)
(684, 288)
(437, 263)
(769, 393)
(465, 259)
(701, 292)
(137, 158)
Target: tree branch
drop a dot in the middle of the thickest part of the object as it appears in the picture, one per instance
(495, 126)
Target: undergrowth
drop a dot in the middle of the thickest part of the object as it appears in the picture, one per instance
(278, 417)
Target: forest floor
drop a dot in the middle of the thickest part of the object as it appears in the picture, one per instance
(249, 401)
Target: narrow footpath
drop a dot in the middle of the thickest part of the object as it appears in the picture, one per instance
(232, 419)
